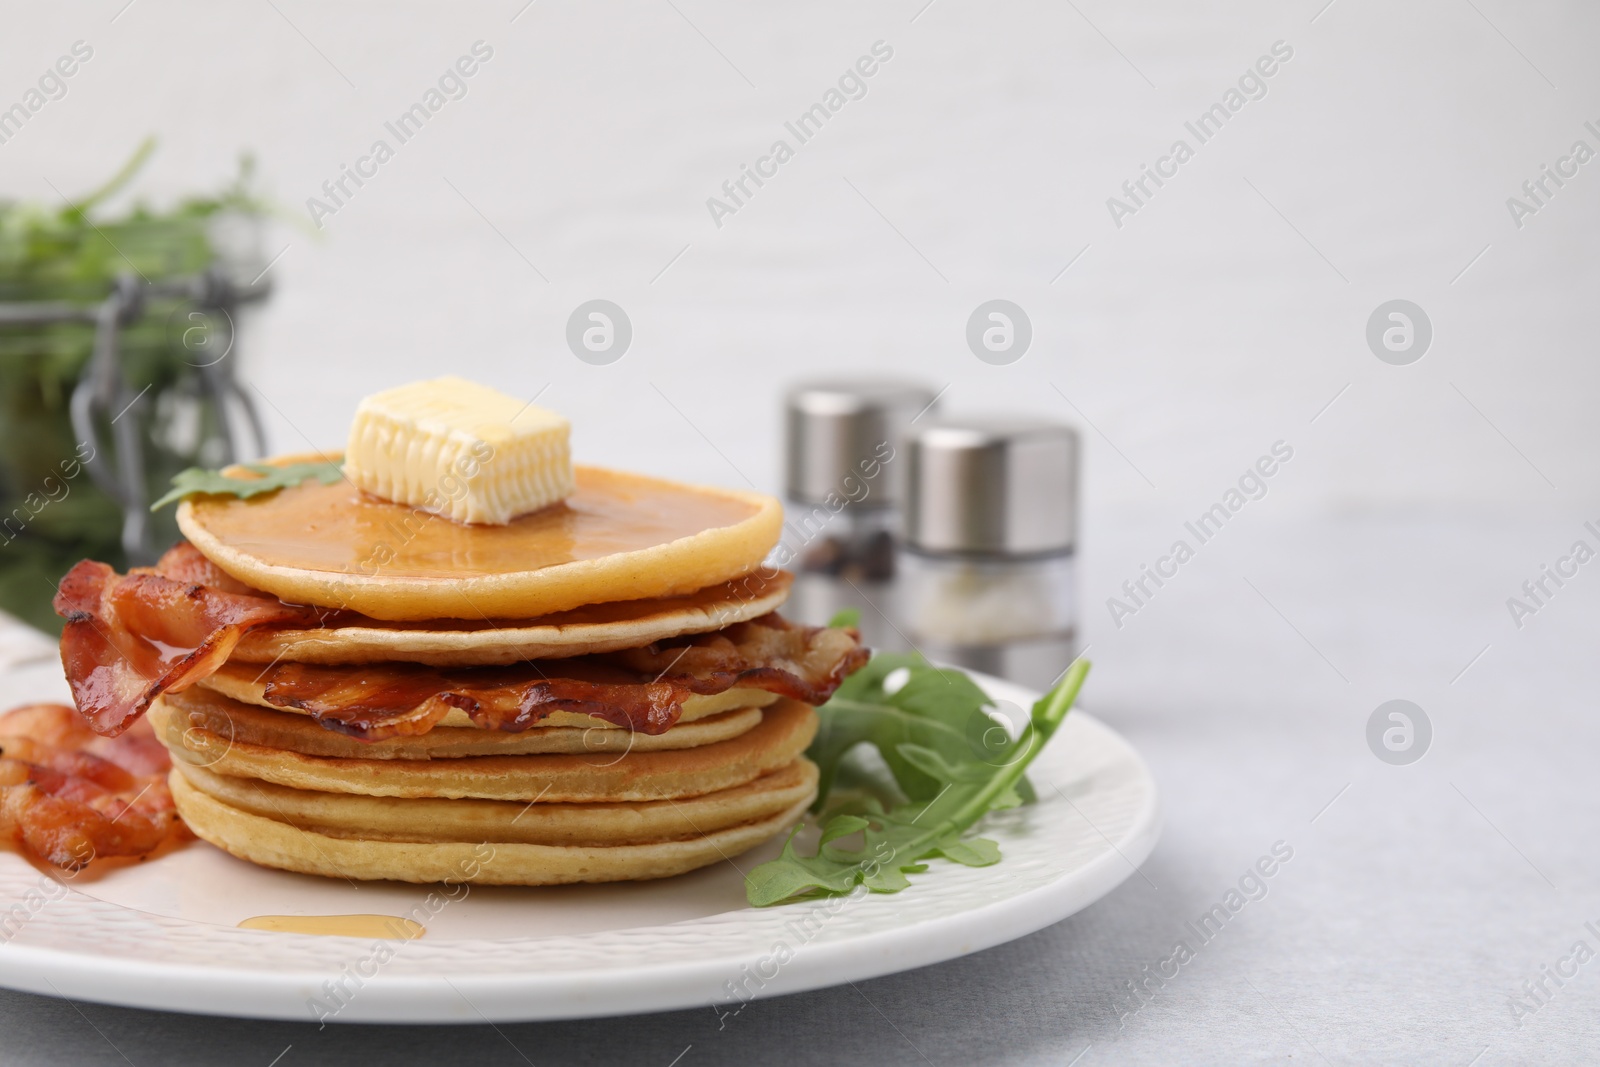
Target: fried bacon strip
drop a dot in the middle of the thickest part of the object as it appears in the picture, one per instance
(130, 638)
(69, 795)
(187, 564)
(806, 663)
(641, 689)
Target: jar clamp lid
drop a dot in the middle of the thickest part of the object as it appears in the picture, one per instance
(993, 486)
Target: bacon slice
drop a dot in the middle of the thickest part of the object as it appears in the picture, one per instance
(130, 638)
(641, 689)
(187, 564)
(805, 663)
(69, 795)
(391, 699)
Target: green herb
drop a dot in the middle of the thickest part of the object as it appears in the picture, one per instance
(847, 617)
(924, 732)
(53, 251)
(935, 710)
(269, 479)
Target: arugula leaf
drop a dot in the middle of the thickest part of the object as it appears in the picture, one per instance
(268, 479)
(846, 617)
(895, 841)
(935, 709)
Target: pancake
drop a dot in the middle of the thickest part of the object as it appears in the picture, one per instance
(297, 732)
(272, 843)
(496, 821)
(786, 728)
(618, 537)
(579, 632)
(241, 683)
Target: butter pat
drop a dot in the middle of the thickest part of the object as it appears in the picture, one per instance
(459, 449)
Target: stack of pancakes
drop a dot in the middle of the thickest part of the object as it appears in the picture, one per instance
(573, 797)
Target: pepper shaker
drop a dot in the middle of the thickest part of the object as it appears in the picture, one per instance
(987, 568)
(845, 484)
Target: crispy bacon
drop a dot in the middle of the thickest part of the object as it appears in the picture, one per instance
(805, 663)
(130, 638)
(187, 564)
(642, 689)
(69, 795)
(391, 699)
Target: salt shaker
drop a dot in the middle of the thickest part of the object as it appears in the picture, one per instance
(987, 568)
(845, 483)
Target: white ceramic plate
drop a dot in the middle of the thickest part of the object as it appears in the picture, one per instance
(164, 934)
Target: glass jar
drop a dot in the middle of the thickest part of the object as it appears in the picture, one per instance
(844, 486)
(986, 576)
(174, 388)
(1013, 618)
(848, 563)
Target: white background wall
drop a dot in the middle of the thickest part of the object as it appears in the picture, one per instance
(1193, 337)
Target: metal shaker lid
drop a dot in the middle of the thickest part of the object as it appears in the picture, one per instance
(839, 430)
(995, 485)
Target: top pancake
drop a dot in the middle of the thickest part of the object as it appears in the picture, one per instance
(618, 537)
